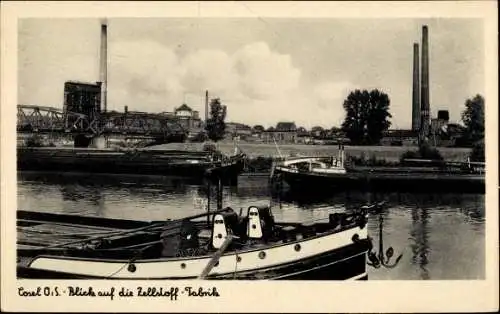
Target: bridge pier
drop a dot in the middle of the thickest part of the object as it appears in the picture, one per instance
(100, 142)
(83, 141)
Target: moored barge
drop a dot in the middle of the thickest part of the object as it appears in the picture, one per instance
(330, 174)
(136, 161)
(217, 245)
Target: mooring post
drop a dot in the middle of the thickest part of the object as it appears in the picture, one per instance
(219, 193)
(380, 241)
(209, 189)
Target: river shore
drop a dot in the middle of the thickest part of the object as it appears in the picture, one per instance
(260, 156)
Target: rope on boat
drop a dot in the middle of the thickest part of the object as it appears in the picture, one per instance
(148, 244)
(107, 235)
(167, 225)
(137, 255)
(63, 224)
(215, 258)
(76, 234)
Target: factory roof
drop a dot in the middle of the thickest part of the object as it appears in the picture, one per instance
(184, 107)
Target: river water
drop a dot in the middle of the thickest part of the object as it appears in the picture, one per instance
(441, 236)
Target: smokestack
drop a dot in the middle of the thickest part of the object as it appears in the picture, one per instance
(206, 106)
(415, 121)
(424, 96)
(104, 65)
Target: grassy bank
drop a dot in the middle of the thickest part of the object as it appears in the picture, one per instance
(262, 155)
(388, 153)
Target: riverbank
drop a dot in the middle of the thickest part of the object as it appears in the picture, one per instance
(254, 150)
(261, 156)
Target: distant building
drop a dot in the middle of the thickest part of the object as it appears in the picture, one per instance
(449, 134)
(168, 114)
(82, 98)
(257, 131)
(317, 132)
(335, 136)
(443, 115)
(188, 118)
(438, 124)
(400, 138)
(237, 130)
(444, 133)
(303, 136)
(186, 111)
(285, 132)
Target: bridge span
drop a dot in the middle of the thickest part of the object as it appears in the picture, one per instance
(160, 128)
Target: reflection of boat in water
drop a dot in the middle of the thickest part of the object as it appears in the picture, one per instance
(217, 245)
(143, 161)
(320, 174)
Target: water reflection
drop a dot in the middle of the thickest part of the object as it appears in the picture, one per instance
(441, 236)
(420, 240)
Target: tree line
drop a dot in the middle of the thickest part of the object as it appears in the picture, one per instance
(367, 117)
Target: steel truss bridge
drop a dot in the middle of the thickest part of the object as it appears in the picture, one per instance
(49, 120)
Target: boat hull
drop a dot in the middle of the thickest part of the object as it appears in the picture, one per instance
(348, 263)
(338, 254)
(382, 181)
(144, 163)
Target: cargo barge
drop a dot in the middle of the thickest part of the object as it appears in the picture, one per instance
(197, 164)
(328, 174)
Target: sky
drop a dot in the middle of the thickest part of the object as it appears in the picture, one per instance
(264, 69)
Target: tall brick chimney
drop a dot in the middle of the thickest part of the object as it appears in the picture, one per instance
(206, 106)
(415, 117)
(103, 69)
(424, 96)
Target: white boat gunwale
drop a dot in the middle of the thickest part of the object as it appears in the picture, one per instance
(175, 258)
(229, 259)
(327, 243)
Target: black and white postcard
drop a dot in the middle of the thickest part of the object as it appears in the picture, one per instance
(249, 156)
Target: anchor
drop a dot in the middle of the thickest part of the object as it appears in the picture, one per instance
(379, 260)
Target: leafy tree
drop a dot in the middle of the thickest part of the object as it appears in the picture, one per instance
(317, 131)
(215, 125)
(302, 130)
(477, 153)
(367, 116)
(259, 128)
(473, 118)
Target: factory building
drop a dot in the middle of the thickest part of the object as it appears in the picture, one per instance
(84, 98)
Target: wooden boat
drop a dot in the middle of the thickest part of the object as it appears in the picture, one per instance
(320, 174)
(217, 245)
(137, 161)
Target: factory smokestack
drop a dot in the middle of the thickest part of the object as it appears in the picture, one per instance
(103, 69)
(206, 106)
(424, 96)
(415, 121)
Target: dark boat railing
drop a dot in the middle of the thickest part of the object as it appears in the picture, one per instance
(122, 227)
